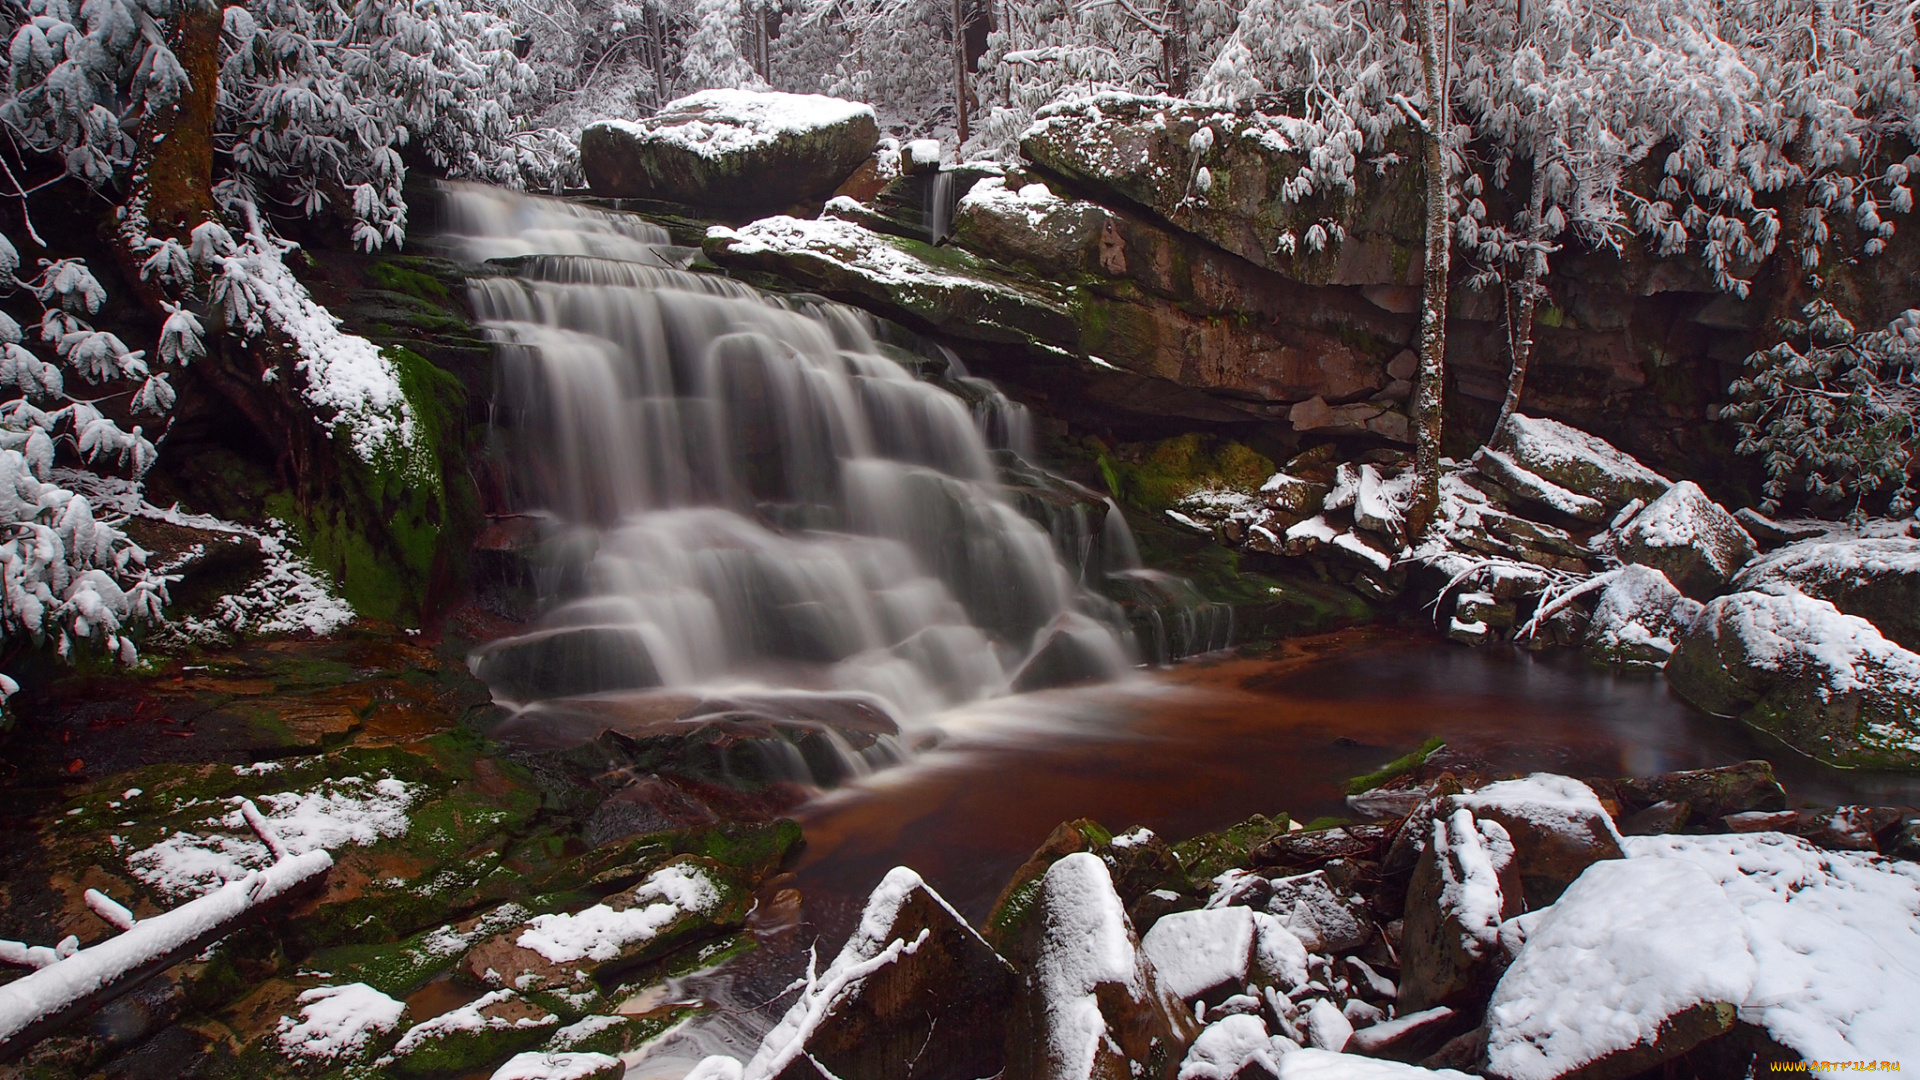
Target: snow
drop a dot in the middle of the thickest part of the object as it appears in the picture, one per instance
(1315, 1064)
(714, 123)
(1087, 944)
(580, 1031)
(1553, 803)
(1829, 561)
(468, 1017)
(1685, 517)
(1033, 203)
(62, 985)
(334, 813)
(1230, 1045)
(1630, 944)
(851, 247)
(1834, 937)
(1529, 484)
(338, 1021)
(923, 152)
(1193, 952)
(1640, 613)
(1133, 837)
(1316, 527)
(1783, 630)
(1540, 444)
(1327, 1027)
(1473, 855)
(551, 1065)
(601, 933)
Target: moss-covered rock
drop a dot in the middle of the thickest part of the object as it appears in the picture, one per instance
(472, 1038)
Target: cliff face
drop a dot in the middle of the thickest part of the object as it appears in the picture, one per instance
(1108, 274)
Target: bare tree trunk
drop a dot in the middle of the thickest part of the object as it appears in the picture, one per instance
(1174, 61)
(1520, 325)
(960, 68)
(1433, 23)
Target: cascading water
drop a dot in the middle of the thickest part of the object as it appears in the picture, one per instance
(941, 202)
(745, 494)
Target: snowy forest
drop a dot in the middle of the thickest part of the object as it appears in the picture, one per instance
(575, 539)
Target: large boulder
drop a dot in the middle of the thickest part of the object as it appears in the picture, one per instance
(731, 150)
(1707, 794)
(1876, 578)
(1556, 824)
(1824, 682)
(1148, 152)
(1640, 961)
(1639, 619)
(1197, 953)
(1566, 469)
(1463, 887)
(1091, 1004)
(914, 993)
(1689, 538)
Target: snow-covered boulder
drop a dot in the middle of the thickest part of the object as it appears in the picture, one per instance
(686, 897)
(471, 1038)
(1195, 953)
(1646, 956)
(1556, 825)
(1235, 1048)
(1562, 467)
(731, 150)
(1314, 1064)
(1640, 961)
(1875, 578)
(561, 1065)
(1639, 619)
(913, 993)
(1822, 681)
(1325, 919)
(1463, 887)
(1689, 538)
(1093, 1006)
(1027, 223)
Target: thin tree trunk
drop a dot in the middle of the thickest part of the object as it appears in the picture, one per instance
(960, 67)
(1173, 49)
(1434, 26)
(1520, 328)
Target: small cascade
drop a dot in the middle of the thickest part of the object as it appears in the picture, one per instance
(1170, 617)
(941, 202)
(749, 494)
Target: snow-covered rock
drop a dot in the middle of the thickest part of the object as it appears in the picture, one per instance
(1463, 887)
(1640, 961)
(1229, 1048)
(1197, 952)
(1876, 578)
(1094, 1006)
(1570, 462)
(1824, 682)
(1556, 825)
(1030, 224)
(1648, 955)
(1321, 916)
(731, 149)
(1315, 1064)
(338, 1022)
(550, 1065)
(1639, 619)
(492, 1027)
(914, 992)
(1688, 537)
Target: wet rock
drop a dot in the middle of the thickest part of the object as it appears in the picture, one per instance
(1014, 910)
(1877, 579)
(1092, 1005)
(731, 150)
(1639, 618)
(1709, 793)
(1408, 1038)
(1689, 538)
(1556, 825)
(1386, 804)
(1070, 652)
(1665, 816)
(1609, 948)
(1826, 683)
(1312, 847)
(567, 662)
(1770, 534)
(1464, 885)
(1754, 821)
(937, 1008)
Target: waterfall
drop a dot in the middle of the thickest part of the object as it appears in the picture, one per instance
(743, 490)
(941, 202)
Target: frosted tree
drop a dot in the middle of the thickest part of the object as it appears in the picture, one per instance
(1046, 51)
(713, 57)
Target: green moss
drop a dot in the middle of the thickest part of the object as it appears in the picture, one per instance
(460, 1052)
(1325, 822)
(1209, 855)
(1152, 476)
(1549, 315)
(1398, 767)
(393, 276)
